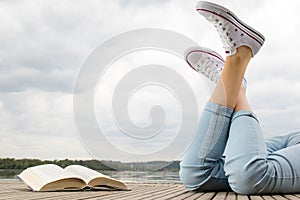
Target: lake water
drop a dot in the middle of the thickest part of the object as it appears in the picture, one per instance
(129, 176)
(145, 177)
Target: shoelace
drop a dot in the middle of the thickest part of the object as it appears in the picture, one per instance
(224, 32)
(206, 68)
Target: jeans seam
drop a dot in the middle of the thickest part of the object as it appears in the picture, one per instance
(208, 136)
(216, 113)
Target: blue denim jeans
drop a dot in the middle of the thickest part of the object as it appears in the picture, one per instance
(251, 164)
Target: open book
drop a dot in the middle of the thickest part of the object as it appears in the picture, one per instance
(50, 177)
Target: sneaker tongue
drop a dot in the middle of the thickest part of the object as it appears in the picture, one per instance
(194, 58)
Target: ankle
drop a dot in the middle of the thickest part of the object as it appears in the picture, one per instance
(244, 52)
(243, 90)
(242, 56)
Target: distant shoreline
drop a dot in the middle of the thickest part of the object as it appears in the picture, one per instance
(132, 171)
(12, 163)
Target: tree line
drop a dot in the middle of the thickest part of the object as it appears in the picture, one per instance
(12, 163)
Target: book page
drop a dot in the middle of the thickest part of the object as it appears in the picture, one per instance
(95, 179)
(38, 176)
(85, 173)
(51, 172)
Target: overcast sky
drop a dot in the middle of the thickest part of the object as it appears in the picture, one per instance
(44, 43)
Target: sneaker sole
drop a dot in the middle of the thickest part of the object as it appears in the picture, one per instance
(230, 17)
(202, 50)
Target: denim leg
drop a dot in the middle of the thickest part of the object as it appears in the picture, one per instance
(282, 141)
(250, 168)
(202, 166)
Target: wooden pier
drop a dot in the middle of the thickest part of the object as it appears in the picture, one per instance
(15, 189)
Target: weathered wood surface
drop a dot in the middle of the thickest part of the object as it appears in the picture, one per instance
(15, 189)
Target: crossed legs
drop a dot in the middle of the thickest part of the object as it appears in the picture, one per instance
(251, 164)
(202, 166)
(228, 90)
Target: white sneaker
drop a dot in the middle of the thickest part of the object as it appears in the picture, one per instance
(207, 62)
(233, 32)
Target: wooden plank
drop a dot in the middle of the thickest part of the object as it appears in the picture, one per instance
(195, 195)
(220, 196)
(172, 195)
(33, 195)
(231, 196)
(138, 191)
(207, 196)
(267, 197)
(185, 196)
(256, 197)
(159, 194)
(15, 189)
(291, 197)
(242, 197)
(279, 197)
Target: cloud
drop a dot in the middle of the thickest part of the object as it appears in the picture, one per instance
(37, 112)
(44, 43)
(38, 124)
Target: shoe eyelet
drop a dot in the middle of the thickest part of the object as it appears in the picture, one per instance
(235, 29)
(242, 34)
